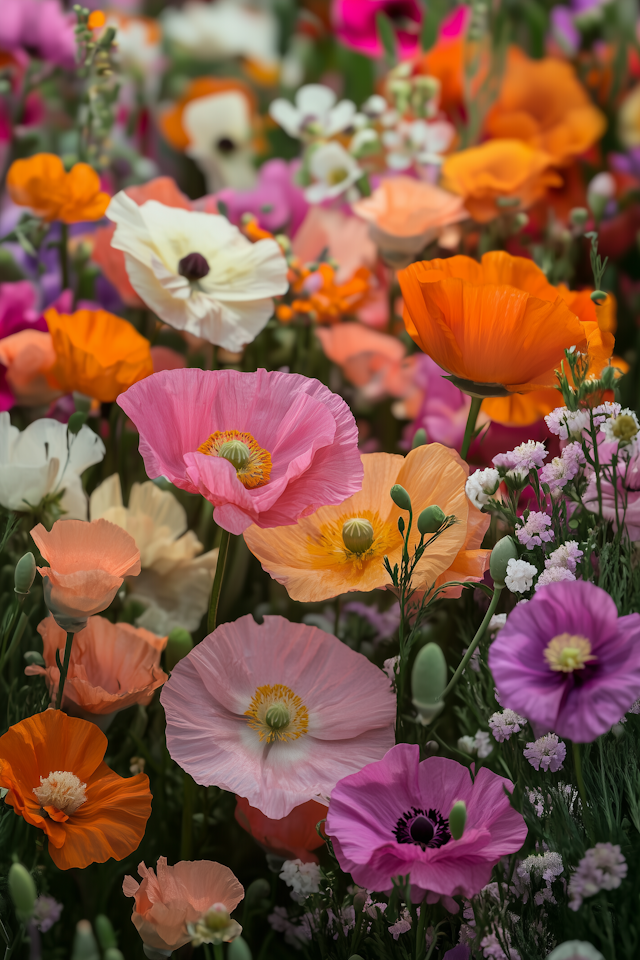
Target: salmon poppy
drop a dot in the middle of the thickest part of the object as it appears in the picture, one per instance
(41, 183)
(319, 557)
(292, 837)
(498, 326)
(53, 769)
(97, 353)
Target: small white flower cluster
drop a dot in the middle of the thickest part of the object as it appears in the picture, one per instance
(567, 424)
(561, 564)
(546, 866)
(481, 486)
(520, 576)
(505, 724)
(303, 878)
(497, 622)
(479, 744)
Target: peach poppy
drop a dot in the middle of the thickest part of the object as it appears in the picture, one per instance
(543, 104)
(110, 260)
(41, 183)
(342, 237)
(498, 169)
(28, 356)
(87, 566)
(97, 353)
(406, 214)
(53, 768)
(319, 557)
(497, 326)
(112, 666)
(292, 837)
(170, 898)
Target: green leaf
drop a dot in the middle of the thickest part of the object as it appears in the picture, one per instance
(387, 37)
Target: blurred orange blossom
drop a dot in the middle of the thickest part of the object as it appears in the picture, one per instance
(41, 183)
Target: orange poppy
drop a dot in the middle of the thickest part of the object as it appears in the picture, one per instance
(97, 353)
(292, 837)
(170, 121)
(318, 557)
(320, 296)
(53, 768)
(498, 170)
(41, 183)
(497, 326)
(28, 356)
(543, 104)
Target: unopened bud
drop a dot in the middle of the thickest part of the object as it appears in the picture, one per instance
(179, 644)
(76, 422)
(357, 534)
(428, 682)
(22, 890)
(598, 297)
(503, 551)
(359, 901)
(24, 575)
(258, 890)
(85, 946)
(578, 216)
(608, 377)
(104, 932)
(457, 819)
(34, 659)
(419, 438)
(112, 953)
(507, 202)
(520, 221)
(238, 949)
(431, 519)
(400, 497)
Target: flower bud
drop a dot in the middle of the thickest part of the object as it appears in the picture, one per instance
(257, 891)
(503, 551)
(357, 534)
(428, 682)
(598, 297)
(84, 943)
(608, 377)
(22, 890)
(24, 574)
(419, 438)
(578, 216)
(400, 497)
(457, 819)
(112, 953)
(520, 221)
(76, 422)
(82, 402)
(239, 950)
(179, 644)
(431, 519)
(34, 659)
(104, 932)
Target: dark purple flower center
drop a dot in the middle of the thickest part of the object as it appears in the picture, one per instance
(226, 146)
(402, 14)
(194, 266)
(426, 828)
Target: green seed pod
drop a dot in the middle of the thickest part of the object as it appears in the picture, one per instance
(503, 551)
(104, 932)
(76, 422)
(457, 819)
(598, 297)
(179, 644)
(400, 497)
(431, 519)
(238, 949)
(428, 682)
(85, 946)
(419, 438)
(236, 452)
(22, 890)
(24, 574)
(578, 216)
(357, 534)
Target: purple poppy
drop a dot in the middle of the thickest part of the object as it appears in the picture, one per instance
(355, 24)
(392, 819)
(567, 661)
(276, 201)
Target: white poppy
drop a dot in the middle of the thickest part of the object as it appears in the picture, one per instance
(315, 113)
(228, 28)
(44, 460)
(197, 272)
(220, 131)
(334, 171)
(176, 577)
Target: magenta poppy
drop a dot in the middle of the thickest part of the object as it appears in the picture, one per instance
(355, 24)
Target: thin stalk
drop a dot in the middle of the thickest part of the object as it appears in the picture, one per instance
(64, 255)
(214, 600)
(65, 667)
(420, 935)
(586, 812)
(217, 951)
(474, 643)
(474, 410)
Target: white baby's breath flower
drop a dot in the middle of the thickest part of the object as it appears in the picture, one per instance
(315, 113)
(481, 486)
(520, 575)
(197, 271)
(303, 878)
(334, 171)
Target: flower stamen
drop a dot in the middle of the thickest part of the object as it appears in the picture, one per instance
(252, 463)
(277, 713)
(568, 652)
(61, 790)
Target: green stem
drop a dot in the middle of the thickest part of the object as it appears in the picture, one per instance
(64, 255)
(217, 951)
(586, 812)
(214, 600)
(474, 643)
(474, 410)
(65, 668)
(420, 935)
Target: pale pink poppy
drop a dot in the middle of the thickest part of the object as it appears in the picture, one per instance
(276, 713)
(297, 442)
(112, 666)
(172, 897)
(344, 237)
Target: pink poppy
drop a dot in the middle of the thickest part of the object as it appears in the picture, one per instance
(392, 819)
(355, 24)
(276, 713)
(264, 448)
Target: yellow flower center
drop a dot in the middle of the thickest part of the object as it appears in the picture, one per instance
(624, 427)
(337, 175)
(252, 463)
(277, 713)
(217, 917)
(62, 790)
(568, 652)
(352, 540)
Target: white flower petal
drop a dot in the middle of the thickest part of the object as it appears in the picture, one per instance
(315, 100)
(286, 116)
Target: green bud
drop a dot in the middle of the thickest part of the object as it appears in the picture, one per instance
(33, 658)
(104, 932)
(236, 452)
(503, 551)
(76, 422)
(457, 819)
(112, 953)
(82, 402)
(277, 716)
(84, 943)
(400, 497)
(428, 682)
(598, 297)
(419, 438)
(22, 890)
(431, 519)
(179, 644)
(357, 534)
(507, 202)
(257, 891)
(608, 377)
(24, 575)
(238, 949)
(520, 221)
(578, 216)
